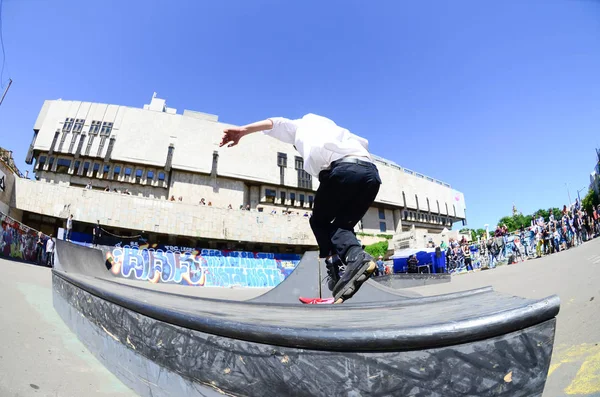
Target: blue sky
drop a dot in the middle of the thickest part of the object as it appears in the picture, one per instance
(499, 99)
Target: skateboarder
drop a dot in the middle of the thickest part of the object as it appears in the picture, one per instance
(348, 184)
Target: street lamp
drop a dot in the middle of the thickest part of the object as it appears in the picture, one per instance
(580, 190)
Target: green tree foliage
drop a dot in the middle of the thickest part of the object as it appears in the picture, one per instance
(590, 201)
(377, 249)
(515, 222)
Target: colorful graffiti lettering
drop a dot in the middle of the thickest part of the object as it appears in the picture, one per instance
(17, 240)
(210, 268)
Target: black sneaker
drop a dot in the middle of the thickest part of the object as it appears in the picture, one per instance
(334, 269)
(359, 267)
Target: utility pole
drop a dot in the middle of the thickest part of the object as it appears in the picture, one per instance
(570, 202)
(5, 91)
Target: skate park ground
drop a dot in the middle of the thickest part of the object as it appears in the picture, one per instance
(40, 356)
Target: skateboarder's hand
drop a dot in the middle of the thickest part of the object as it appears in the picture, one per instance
(231, 136)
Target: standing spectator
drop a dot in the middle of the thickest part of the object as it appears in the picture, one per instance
(229, 207)
(413, 263)
(247, 207)
(69, 227)
(97, 233)
(88, 186)
(107, 189)
(172, 198)
(202, 201)
(39, 248)
(380, 266)
(467, 254)
(50, 251)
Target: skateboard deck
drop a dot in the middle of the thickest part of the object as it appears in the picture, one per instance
(316, 301)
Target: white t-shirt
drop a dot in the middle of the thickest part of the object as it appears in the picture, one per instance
(69, 223)
(319, 141)
(50, 245)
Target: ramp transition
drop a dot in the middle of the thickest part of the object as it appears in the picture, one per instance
(478, 343)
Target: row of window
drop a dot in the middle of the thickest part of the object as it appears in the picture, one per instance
(271, 197)
(420, 217)
(84, 168)
(304, 178)
(76, 126)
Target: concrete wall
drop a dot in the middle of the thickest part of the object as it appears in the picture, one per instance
(160, 216)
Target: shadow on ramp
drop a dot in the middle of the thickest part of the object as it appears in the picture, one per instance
(478, 343)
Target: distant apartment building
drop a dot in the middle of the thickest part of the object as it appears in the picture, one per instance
(595, 174)
(181, 187)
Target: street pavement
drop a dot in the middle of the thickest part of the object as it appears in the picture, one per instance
(40, 356)
(574, 275)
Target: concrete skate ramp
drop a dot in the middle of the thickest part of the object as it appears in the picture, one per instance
(478, 343)
(309, 280)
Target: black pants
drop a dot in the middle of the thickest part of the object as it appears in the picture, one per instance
(345, 193)
(39, 254)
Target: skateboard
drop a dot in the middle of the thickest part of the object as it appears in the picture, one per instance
(316, 301)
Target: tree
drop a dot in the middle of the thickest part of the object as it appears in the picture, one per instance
(590, 201)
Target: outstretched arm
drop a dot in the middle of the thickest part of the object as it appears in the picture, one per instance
(231, 136)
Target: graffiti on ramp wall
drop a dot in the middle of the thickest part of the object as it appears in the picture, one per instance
(17, 240)
(205, 267)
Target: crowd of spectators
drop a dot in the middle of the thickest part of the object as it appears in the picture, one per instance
(545, 236)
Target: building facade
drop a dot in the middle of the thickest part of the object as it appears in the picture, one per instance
(155, 170)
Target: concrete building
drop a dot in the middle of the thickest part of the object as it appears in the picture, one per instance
(595, 175)
(155, 156)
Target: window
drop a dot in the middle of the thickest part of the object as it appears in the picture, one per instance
(76, 167)
(68, 125)
(89, 145)
(95, 127)
(270, 195)
(150, 175)
(281, 159)
(293, 199)
(106, 128)
(127, 171)
(95, 170)
(405, 215)
(161, 176)
(381, 213)
(304, 179)
(101, 146)
(62, 141)
(78, 126)
(72, 144)
(301, 200)
(106, 170)
(299, 163)
(116, 171)
(311, 200)
(138, 175)
(382, 227)
(41, 161)
(50, 162)
(282, 197)
(63, 165)
(86, 168)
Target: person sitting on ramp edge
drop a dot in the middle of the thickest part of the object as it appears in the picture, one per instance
(348, 184)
